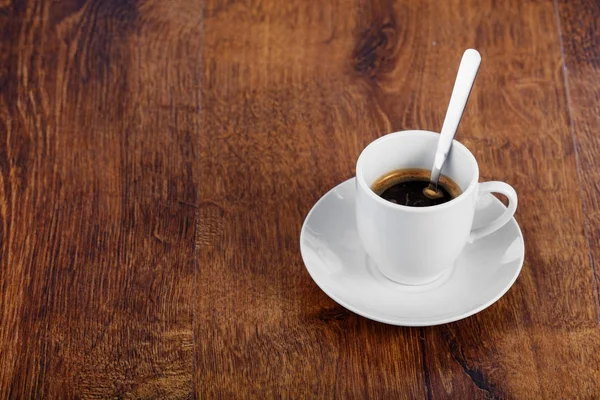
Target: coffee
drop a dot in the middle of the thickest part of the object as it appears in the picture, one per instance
(405, 187)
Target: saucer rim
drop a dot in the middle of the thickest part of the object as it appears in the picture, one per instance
(412, 322)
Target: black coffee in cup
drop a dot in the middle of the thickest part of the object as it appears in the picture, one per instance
(405, 187)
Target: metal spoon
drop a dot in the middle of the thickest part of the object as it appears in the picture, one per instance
(467, 71)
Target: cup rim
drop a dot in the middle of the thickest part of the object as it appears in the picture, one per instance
(362, 182)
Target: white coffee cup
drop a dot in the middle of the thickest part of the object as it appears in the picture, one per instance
(416, 245)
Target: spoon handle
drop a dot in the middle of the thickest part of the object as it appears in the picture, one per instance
(467, 71)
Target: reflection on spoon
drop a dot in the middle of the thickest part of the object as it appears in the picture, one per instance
(467, 71)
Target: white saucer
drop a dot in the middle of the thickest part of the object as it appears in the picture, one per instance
(336, 261)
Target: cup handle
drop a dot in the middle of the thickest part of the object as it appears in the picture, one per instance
(511, 195)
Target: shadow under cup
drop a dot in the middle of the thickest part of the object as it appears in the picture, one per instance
(414, 245)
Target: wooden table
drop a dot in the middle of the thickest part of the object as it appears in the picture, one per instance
(157, 159)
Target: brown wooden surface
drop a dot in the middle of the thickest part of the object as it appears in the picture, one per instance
(98, 139)
(580, 25)
(157, 159)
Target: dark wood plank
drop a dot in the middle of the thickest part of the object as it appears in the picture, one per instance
(579, 22)
(99, 114)
(291, 94)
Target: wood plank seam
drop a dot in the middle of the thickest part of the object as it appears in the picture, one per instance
(586, 225)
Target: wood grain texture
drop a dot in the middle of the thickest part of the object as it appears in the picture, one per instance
(157, 160)
(579, 21)
(99, 108)
(290, 97)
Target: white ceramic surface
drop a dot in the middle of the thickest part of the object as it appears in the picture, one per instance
(336, 260)
(416, 245)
